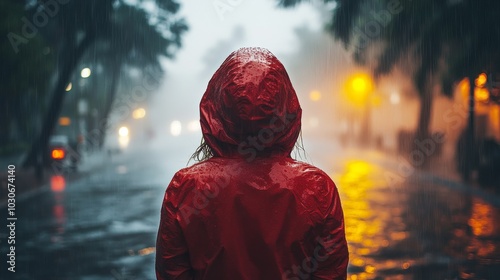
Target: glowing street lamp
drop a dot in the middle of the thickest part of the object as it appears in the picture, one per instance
(481, 80)
(123, 131)
(85, 73)
(175, 128)
(315, 95)
(358, 88)
(481, 92)
(69, 87)
(139, 113)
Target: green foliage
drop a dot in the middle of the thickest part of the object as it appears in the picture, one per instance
(24, 74)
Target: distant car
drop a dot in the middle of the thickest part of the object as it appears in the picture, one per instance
(62, 154)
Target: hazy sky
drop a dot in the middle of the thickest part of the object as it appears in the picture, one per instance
(212, 35)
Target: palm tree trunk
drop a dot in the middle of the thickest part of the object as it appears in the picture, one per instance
(470, 162)
(37, 155)
(424, 117)
(115, 77)
(422, 134)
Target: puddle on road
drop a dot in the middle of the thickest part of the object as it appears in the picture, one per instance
(57, 186)
(409, 230)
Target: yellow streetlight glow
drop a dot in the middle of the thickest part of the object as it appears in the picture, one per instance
(139, 113)
(123, 131)
(481, 80)
(481, 94)
(359, 84)
(315, 95)
(69, 87)
(85, 72)
(358, 87)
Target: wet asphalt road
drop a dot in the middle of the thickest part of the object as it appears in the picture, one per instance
(103, 226)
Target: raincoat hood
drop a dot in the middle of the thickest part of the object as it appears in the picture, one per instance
(250, 107)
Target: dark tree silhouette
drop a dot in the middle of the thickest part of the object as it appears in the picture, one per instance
(444, 40)
(24, 74)
(80, 24)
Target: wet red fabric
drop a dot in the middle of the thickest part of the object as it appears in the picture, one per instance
(251, 211)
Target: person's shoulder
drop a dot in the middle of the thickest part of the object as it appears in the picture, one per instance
(200, 168)
(308, 170)
(188, 178)
(312, 179)
(201, 172)
(317, 189)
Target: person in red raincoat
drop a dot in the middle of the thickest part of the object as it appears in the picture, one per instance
(248, 210)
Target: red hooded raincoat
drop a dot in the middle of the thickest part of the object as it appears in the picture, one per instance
(251, 211)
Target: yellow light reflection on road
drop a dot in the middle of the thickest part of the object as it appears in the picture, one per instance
(370, 269)
(366, 223)
(360, 223)
(485, 228)
(482, 219)
(57, 183)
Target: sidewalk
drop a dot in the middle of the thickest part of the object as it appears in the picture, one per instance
(442, 171)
